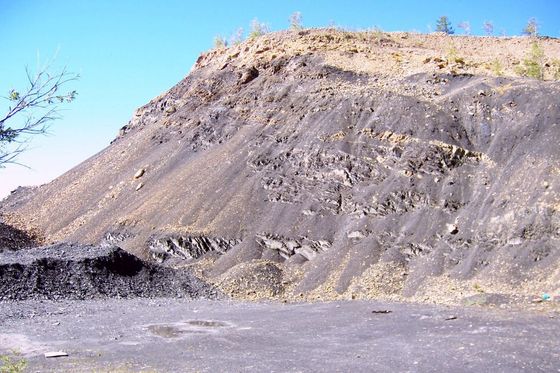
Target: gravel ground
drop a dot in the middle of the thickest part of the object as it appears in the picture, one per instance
(170, 335)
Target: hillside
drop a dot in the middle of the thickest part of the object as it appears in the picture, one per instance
(325, 164)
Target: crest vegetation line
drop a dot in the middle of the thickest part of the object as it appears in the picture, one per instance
(443, 25)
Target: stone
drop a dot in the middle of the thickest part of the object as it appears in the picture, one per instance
(248, 75)
(452, 228)
(55, 354)
(139, 173)
(356, 234)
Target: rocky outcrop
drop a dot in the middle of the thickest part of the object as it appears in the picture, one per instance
(188, 247)
(303, 247)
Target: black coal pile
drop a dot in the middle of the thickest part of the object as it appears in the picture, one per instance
(14, 239)
(71, 271)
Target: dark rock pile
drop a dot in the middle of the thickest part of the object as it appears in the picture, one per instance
(66, 271)
(14, 239)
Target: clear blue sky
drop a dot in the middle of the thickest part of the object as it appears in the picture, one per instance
(129, 51)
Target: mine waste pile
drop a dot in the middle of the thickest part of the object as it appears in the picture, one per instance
(325, 164)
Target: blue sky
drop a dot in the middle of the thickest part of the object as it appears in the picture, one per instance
(129, 51)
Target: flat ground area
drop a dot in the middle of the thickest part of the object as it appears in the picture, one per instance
(170, 335)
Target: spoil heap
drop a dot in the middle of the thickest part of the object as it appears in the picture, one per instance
(324, 164)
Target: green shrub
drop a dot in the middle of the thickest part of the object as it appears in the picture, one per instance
(531, 28)
(533, 65)
(453, 57)
(451, 54)
(10, 364)
(497, 68)
(257, 29)
(556, 69)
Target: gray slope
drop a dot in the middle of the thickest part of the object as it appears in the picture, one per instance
(331, 172)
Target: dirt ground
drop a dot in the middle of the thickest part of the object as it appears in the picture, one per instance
(172, 335)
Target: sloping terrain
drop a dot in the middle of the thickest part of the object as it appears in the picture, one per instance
(326, 164)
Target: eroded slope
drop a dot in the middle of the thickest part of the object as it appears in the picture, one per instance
(332, 164)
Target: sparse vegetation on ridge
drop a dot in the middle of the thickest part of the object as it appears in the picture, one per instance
(237, 37)
(465, 26)
(488, 27)
(258, 29)
(295, 21)
(454, 56)
(531, 28)
(220, 42)
(443, 25)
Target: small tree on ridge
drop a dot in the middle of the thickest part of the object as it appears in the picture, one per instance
(488, 28)
(295, 21)
(465, 26)
(443, 25)
(531, 28)
(257, 29)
